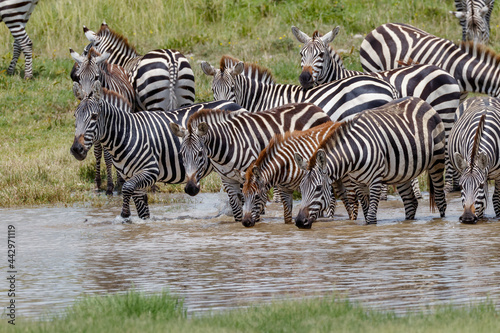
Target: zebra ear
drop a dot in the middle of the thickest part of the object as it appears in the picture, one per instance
(238, 69)
(202, 129)
(256, 173)
(484, 10)
(329, 37)
(482, 160)
(178, 130)
(207, 68)
(239, 176)
(460, 162)
(102, 57)
(300, 161)
(78, 58)
(77, 90)
(97, 89)
(91, 36)
(301, 37)
(321, 160)
(458, 15)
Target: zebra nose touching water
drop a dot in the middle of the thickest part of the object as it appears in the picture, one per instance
(474, 152)
(391, 144)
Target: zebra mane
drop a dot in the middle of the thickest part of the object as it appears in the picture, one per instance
(210, 115)
(477, 140)
(92, 53)
(334, 133)
(480, 51)
(116, 99)
(106, 31)
(252, 70)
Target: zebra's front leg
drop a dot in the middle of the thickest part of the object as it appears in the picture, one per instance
(109, 172)
(416, 188)
(496, 198)
(374, 190)
(233, 190)
(287, 200)
(407, 193)
(349, 197)
(437, 193)
(98, 156)
(134, 187)
(364, 197)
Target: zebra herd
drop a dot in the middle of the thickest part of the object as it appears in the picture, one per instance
(339, 134)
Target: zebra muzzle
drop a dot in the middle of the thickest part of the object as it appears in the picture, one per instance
(78, 150)
(192, 188)
(306, 79)
(302, 221)
(468, 217)
(247, 220)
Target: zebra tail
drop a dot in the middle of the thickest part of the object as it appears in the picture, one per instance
(432, 197)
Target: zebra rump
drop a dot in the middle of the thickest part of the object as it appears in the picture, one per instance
(474, 16)
(474, 147)
(391, 144)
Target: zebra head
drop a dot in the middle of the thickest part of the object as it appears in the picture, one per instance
(315, 56)
(86, 70)
(194, 154)
(474, 17)
(255, 196)
(315, 187)
(474, 186)
(86, 115)
(223, 84)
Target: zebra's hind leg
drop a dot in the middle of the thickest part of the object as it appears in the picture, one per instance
(98, 156)
(410, 201)
(436, 187)
(23, 43)
(496, 198)
(109, 172)
(287, 200)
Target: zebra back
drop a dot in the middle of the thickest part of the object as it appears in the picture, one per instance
(474, 16)
(474, 66)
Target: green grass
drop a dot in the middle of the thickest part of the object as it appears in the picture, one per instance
(36, 117)
(139, 312)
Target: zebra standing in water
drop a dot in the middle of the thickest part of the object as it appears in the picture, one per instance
(252, 87)
(162, 79)
(276, 166)
(474, 16)
(231, 141)
(391, 144)
(474, 150)
(15, 14)
(141, 144)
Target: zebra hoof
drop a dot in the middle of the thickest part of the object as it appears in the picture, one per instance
(122, 220)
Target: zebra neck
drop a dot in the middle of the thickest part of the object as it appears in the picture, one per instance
(258, 96)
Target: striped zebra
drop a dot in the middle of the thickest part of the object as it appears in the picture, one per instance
(474, 66)
(474, 16)
(276, 166)
(143, 148)
(162, 79)
(231, 141)
(15, 14)
(253, 87)
(391, 144)
(474, 150)
(321, 64)
(92, 66)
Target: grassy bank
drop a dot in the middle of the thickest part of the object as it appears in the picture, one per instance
(36, 119)
(137, 312)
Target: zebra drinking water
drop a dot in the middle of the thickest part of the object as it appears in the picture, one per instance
(391, 144)
(474, 148)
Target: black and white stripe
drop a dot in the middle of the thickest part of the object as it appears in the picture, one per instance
(474, 149)
(142, 146)
(474, 16)
(230, 142)
(15, 14)
(391, 144)
(162, 79)
(340, 100)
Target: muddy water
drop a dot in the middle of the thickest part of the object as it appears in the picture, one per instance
(214, 263)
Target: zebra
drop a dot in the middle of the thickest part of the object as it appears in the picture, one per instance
(391, 144)
(321, 64)
(474, 150)
(141, 144)
(276, 166)
(162, 79)
(474, 16)
(257, 92)
(15, 14)
(474, 66)
(231, 141)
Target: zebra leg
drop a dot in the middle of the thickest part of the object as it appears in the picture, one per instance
(109, 172)
(383, 192)
(496, 198)
(374, 199)
(276, 195)
(134, 187)
(407, 193)
(364, 197)
(330, 210)
(119, 182)
(416, 188)
(235, 196)
(15, 56)
(98, 156)
(347, 192)
(436, 187)
(287, 200)
(23, 43)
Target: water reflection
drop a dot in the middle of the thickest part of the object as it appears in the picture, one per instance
(214, 263)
